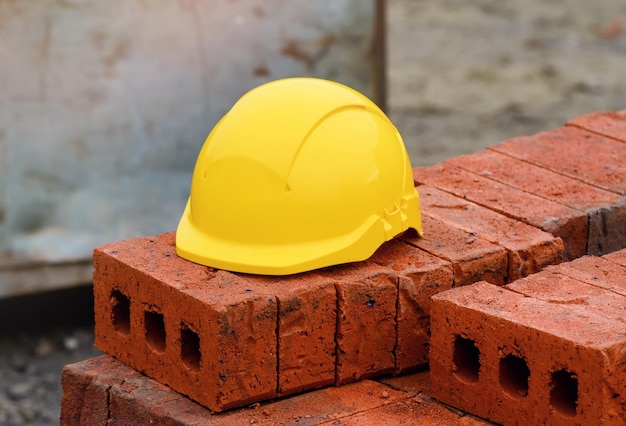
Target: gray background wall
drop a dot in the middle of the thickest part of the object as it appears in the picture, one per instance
(104, 106)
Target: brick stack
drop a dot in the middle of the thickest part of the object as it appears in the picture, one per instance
(491, 219)
(548, 348)
(103, 391)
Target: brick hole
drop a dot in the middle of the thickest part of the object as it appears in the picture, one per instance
(120, 305)
(466, 359)
(514, 374)
(155, 330)
(564, 392)
(190, 348)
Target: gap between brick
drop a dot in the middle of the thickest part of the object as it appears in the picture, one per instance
(277, 331)
(569, 176)
(395, 318)
(337, 354)
(108, 397)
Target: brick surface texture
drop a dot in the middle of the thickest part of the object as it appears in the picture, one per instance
(514, 296)
(558, 219)
(546, 349)
(604, 123)
(103, 390)
(599, 209)
(529, 249)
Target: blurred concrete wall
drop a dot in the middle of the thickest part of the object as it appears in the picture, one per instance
(104, 106)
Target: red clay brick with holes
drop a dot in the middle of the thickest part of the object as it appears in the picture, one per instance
(602, 209)
(515, 355)
(559, 220)
(205, 333)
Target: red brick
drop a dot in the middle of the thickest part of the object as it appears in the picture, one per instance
(420, 276)
(529, 249)
(605, 123)
(473, 259)
(86, 387)
(573, 152)
(225, 329)
(430, 274)
(366, 325)
(409, 411)
(618, 257)
(136, 399)
(597, 271)
(329, 405)
(605, 210)
(469, 420)
(158, 404)
(572, 290)
(417, 383)
(307, 318)
(559, 220)
(482, 335)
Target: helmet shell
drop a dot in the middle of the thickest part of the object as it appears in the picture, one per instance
(300, 174)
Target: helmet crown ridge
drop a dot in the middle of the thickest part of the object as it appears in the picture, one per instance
(278, 114)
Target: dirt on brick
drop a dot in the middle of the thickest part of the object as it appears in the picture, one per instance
(462, 75)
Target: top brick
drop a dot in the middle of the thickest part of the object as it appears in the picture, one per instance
(605, 123)
(529, 249)
(573, 152)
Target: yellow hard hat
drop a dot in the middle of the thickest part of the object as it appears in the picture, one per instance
(300, 174)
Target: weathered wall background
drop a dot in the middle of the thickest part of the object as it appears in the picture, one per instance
(104, 106)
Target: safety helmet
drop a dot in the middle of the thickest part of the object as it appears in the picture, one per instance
(300, 174)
